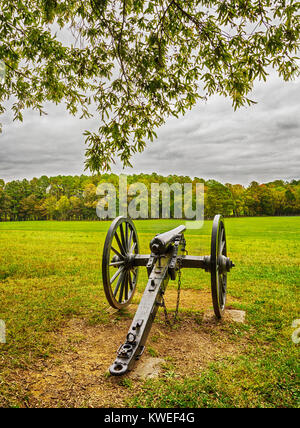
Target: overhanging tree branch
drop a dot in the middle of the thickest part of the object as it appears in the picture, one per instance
(142, 61)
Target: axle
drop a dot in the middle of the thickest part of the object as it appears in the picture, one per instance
(200, 262)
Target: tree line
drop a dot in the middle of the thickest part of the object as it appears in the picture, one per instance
(75, 197)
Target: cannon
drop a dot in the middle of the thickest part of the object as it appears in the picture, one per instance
(120, 267)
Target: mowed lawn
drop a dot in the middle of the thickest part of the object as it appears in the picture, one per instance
(50, 272)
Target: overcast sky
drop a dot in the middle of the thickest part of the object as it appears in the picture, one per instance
(259, 143)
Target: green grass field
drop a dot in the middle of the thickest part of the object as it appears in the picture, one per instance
(50, 276)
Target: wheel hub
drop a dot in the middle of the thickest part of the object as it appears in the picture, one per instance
(224, 264)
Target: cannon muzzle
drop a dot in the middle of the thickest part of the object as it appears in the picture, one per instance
(161, 242)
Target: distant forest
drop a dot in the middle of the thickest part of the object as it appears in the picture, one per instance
(75, 198)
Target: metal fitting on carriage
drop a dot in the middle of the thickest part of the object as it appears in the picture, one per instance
(125, 350)
(152, 285)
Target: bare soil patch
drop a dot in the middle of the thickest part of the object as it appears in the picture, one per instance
(78, 374)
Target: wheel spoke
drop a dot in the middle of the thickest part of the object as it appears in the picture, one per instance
(122, 249)
(130, 239)
(126, 237)
(120, 280)
(220, 288)
(220, 242)
(116, 263)
(132, 248)
(116, 275)
(130, 281)
(117, 252)
(123, 238)
(126, 286)
(224, 283)
(222, 246)
(134, 273)
(122, 287)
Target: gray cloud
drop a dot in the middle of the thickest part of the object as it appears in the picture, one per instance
(260, 142)
(212, 141)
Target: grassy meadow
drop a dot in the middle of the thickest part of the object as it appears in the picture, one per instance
(50, 277)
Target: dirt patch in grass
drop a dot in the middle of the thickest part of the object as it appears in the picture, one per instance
(77, 375)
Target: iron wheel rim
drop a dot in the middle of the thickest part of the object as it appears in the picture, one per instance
(218, 276)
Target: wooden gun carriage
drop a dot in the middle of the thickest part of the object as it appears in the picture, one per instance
(120, 265)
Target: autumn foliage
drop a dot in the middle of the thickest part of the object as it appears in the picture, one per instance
(75, 198)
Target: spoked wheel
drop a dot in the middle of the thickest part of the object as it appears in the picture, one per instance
(118, 273)
(218, 260)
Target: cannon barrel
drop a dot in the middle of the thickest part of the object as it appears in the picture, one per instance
(160, 243)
